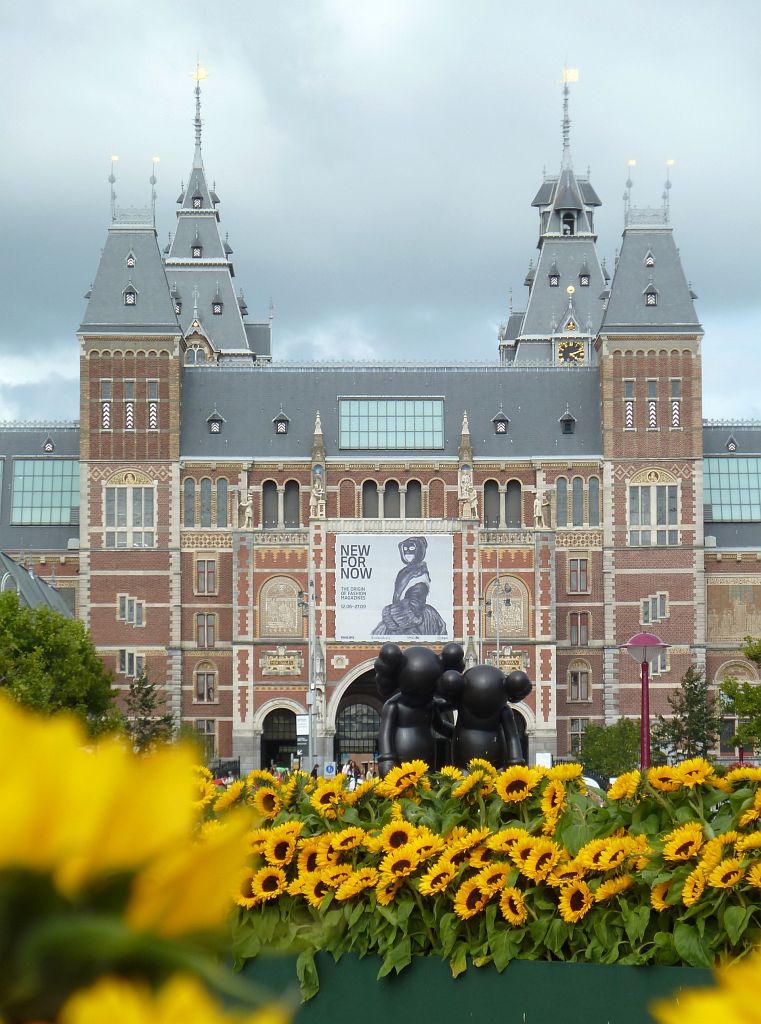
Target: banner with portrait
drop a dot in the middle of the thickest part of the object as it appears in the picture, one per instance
(394, 587)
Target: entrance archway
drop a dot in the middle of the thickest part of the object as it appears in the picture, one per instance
(279, 739)
(358, 722)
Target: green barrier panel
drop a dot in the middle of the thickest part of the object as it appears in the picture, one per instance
(527, 992)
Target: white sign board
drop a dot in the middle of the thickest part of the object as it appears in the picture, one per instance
(302, 725)
(394, 587)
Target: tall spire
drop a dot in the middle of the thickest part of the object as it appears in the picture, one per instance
(569, 75)
(200, 74)
(152, 180)
(666, 190)
(112, 182)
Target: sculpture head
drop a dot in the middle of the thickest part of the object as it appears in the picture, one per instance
(419, 675)
(485, 691)
(517, 685)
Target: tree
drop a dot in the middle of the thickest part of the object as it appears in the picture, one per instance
(743, 700)
(611, 749)
(692, 730)
(48, 662)
(145, 720)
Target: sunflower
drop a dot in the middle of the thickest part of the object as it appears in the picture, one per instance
(335, 874)
(503, 841)
(390, 837)
(694, 771)
(308, 851)
(468, 784)
(658, 896)
(266, 799)
(231, 796)
(401, 862)
(684, 842)
(541, 860)
(590, 854)
(726, 874)
(327, 798)
(427, 843)
(480, 856)
(493, 877)
(328, 852)
(513, 906)
(368, 786)
(288, 792)
(470, 899)
(550, 824)
(387, 887)
(553, 799)
(202, 772)
(713, 851)
(205, 792)
(402, 778)
(280, 848)
(575, 900)
(451, 772)
(259, 775)
(744, 774)
(625, 786)
(480, 764)
(517, 783)
(356, 883)
(754, 875)
(245, 896)
(437, 878)
(748, 817)
(616, 850)
(664, 779)
(746, 843)
(693, 886)
(348, 838)
(612, 887)
(565, 772)
(268, 883)
(313, 888)
(563, 874)
(522, 850)
(257, 840)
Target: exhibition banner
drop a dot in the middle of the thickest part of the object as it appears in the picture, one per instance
(394, 587)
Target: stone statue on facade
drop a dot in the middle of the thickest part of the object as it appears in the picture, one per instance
(246, 511)
(468, 499)
(317, 496)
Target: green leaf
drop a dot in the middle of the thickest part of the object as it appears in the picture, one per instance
(736, 920)
(306, 969)
(691, 947)
(459, 961)
(635, 922)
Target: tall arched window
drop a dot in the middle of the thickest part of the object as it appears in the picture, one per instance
(205, 677)
(206, 502)
(369, 500)
(514, 502)
(392, 508)
(413, 505)
(561, 513)
(222, 502)
(189, 503)
(594, 501)
(291, 510)
(491, 503)
(577, 501)
(269, 504)
(357, 728)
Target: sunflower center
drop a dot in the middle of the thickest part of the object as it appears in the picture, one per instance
(682, 850)
(270, 883)
(516, 786)
(513, 905)
(542, 859)
(268, 801)
(397, 839)
(401, 865)
(727, 877)
(281, 850)
(320, 889)
(473, 899)
(576, 901)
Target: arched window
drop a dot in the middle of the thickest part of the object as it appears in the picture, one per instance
(514, 502)
(577, 501)
(579, 681)
(279, 739)
(190, 356)
(369, 500)
(491, 503)
(206, 502)
(269, 504)
(357, 728)
(392, 508)
(569, 224)
(291, 502)
(205, 683)
(561, 513)
(594, 501)
(222, 502)
(189, 511)
(413, 505)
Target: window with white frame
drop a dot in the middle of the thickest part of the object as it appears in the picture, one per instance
(660, 664)
(579, 681)
(130, 610)
(130, 663)
(653, 514)
(576, 729)
(205, 683)
(654, 608)
(206, 628)
(129, 517)
(207, 734)
(206, 576)
(578, 575)
(578, 629)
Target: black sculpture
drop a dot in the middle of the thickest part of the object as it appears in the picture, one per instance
(411, 718)
(430, 685)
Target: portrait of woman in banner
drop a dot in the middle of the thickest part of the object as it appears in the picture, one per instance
(409, 613)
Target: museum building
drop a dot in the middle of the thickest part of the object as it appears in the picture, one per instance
(248, 531)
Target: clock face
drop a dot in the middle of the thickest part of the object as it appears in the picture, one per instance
(571, 352)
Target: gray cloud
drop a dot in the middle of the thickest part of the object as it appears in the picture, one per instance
(375, 162)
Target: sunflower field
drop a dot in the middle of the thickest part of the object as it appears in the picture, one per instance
(483, 866)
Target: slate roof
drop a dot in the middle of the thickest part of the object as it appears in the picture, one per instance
(731, 536)
(250, 398)
(32, 591)
(627, 310)
(153, 312)
(25, 441)
(746, 436)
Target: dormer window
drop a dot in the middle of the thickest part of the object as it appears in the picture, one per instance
(569, 224)
(731, 444)
(48, 447)
(554, 280)
(584, 280)
(197, 252)
(281, 422)
(651, 297)
(649, 259)
(500, 422)
(130, 261)
(567, 423)
(178, 306)
(197, 202)
(216, 307)
(215, 422)
(130, 297)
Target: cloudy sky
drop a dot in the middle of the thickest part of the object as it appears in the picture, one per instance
(376, 160)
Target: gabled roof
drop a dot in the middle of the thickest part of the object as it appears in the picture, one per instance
(33, 592)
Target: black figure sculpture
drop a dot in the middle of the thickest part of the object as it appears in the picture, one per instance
(409, 613)
(411, 718)
(486, 724)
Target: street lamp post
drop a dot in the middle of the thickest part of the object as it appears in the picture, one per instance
(642, 648)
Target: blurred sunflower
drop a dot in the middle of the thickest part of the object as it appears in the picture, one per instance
(328, 797)
(402, 778)
(694, 771)
(266, 800)
(734, 1000)
(575, 900)
(541, 860)
(743, 775)
(357, 882)
(401, 862)
(450, 772)
(612, 887)
(565, 772)
(245, 896)
(517, 784)
(658, 896)
(257, 840)
(436, 879)
(387, 888)
(362, 790)
(513, 906)
(470, 899)
(754, 875)
(307, 858)
(504, 840)
(684, 842)
(313, 888)
(746, 843)
(259, 775)
(693, 886)
(268, 883)
(480, 764)
(554, 798)
(664, 778)
(336, 874)
(205, 791)
(493, 877)
(474, 781)
(625, 786)
(726, 874)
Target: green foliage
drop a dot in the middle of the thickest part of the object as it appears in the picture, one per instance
(48, 662)
(743, 700)
(693, 728)
(146, 721)
(611, 749)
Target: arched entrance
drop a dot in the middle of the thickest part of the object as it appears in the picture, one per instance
(357, 723)
(279, 739)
